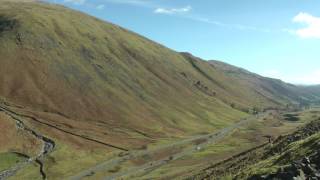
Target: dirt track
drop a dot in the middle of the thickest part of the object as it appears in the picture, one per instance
(210, 139)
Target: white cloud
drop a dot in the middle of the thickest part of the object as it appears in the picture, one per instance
(100, 7)
(172, 10)
(78, 2)
(226, 25)
(312, 29)
(183, 13)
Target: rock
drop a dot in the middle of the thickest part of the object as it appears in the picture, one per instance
(309, 170)
(306, 160)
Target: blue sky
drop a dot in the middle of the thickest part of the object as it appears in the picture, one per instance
(275, 38)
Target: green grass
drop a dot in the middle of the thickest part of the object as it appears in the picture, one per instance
(8, 160)
(111, 83)
(230, 144)
(134, 80)
(137, 82)
(258, 161)
(65, 161)
(294, 151)
(244, 138)
(31, 171)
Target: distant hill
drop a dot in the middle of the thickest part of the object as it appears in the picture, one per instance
(274, 89)
(94, 78)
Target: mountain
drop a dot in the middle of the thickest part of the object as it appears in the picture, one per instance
(313, 90)
(273, 89)
(96, 75)
(91, 84)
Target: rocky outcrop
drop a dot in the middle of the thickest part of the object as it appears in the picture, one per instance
(306, 168)
(291, 167)
(282, 142)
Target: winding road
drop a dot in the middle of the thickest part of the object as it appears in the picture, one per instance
(48, 146)
(210, 139)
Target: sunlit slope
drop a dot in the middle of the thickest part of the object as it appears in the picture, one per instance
(290, 156)
(60, 61)
(272, 90)
(107, 83)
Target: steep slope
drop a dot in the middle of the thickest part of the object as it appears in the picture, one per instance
(292, 156)
(98, 80)
(314, 90)
(96, 89)
(273, 89)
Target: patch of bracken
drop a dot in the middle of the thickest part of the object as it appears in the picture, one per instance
(7, 24)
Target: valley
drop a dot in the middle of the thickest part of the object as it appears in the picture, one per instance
(172, 152)
(294, 155)
(82, 98)
(195, 152)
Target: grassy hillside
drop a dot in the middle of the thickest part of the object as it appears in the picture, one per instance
(101, 76)
(62, 63)
(272, 89)
(295, 155)
(315, 91)
(23, 142)
(94, 87)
